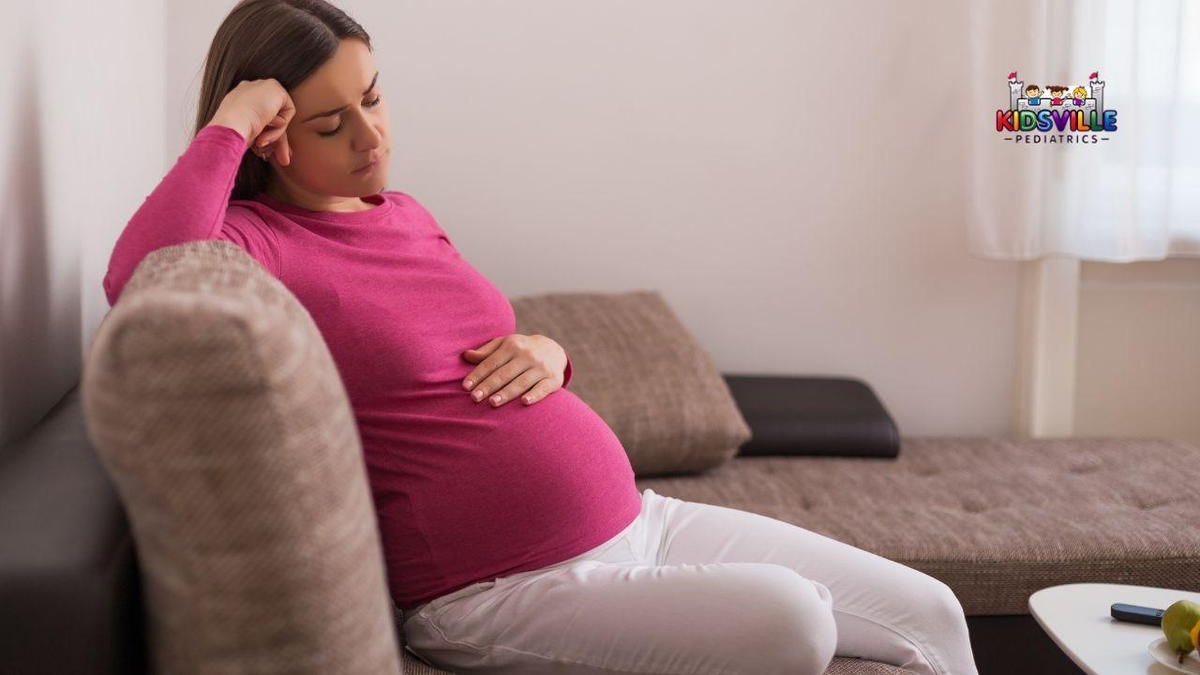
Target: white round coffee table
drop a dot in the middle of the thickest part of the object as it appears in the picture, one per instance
(1078, 618)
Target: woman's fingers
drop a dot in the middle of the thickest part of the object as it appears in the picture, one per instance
(262, 141)
(274, 143)
(286, 110)
(538, 392)
(524, 383)
(272, 132)
(262, 146)
(273, 139)
(285, 150)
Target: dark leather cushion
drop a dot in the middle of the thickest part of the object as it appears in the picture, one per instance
(70, 597)
(819, 416)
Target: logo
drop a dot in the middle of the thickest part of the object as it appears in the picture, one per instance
(1056, 113)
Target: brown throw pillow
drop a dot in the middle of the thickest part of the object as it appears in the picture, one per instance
(217, 410)
(639, 368)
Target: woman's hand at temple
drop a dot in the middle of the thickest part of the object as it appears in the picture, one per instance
(261, 110)
(528, 366)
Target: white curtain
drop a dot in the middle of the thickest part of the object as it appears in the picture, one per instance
(1133, 197)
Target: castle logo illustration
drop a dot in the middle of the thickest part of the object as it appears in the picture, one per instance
(1037, 115)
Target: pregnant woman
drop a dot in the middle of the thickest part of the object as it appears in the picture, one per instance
(514, 536)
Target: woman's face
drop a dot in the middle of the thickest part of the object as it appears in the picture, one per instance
(340, 125)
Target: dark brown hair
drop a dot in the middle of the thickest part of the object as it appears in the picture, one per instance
(259, 39)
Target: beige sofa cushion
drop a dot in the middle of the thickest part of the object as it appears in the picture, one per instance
(218, 412)
(639, 368)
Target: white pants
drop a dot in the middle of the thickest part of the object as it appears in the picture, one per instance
(690, 587)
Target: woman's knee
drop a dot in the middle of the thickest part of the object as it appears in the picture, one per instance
(797, 612)
(935, 601)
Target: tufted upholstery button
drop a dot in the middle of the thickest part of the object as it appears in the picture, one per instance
(974, 506)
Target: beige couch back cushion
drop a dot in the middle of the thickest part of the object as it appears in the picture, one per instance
(219, 413)
(636, 364)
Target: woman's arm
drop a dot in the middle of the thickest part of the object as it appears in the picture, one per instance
(189, 204)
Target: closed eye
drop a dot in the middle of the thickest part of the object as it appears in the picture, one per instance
(370, 104)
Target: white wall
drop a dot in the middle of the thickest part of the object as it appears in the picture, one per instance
(776, 169)
(80, 121)
(1138, 363)
(769, 166)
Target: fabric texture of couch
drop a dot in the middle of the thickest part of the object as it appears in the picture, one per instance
(217, 410)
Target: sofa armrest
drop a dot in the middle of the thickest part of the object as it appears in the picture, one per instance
(819, 416)
(70, 598)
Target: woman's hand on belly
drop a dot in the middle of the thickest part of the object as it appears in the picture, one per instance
(510, 366)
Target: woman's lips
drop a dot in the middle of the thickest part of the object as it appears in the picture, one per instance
(370, 167)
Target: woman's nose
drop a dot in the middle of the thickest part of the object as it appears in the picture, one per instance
(369, 139)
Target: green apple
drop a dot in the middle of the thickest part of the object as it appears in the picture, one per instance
(1177, 624)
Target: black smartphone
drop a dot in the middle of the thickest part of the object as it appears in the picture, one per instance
(1137, 614)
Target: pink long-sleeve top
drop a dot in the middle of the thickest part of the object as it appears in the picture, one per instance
(464, 492)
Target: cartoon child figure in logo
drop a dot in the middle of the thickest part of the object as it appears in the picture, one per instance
(1057, 94)
(1079, 94)
(1033, 93)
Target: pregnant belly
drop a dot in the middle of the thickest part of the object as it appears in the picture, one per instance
(499, 487)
